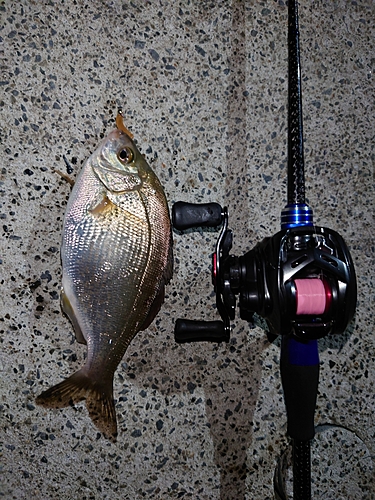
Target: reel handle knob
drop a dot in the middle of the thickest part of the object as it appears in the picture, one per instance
(187, 330)
(189, 215)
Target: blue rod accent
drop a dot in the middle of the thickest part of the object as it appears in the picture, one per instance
(296, 215)
(299, 353)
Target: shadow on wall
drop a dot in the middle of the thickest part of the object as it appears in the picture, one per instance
(236, 191)
(230, 411)
(230, 408)
(231, 387)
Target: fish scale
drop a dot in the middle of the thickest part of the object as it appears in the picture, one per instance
(116, 258)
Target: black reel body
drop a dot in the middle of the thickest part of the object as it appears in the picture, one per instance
(301, 281)
(265, 279)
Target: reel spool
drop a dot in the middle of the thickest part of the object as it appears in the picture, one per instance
(313, 296)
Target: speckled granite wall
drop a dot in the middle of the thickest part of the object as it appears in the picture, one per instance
(203, 87)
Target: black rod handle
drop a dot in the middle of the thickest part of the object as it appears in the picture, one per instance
(189, 215)
(299, 367)
(187, 330)
(301, 470)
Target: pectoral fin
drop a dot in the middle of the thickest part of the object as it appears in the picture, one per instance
(103, 206)
(67, 308)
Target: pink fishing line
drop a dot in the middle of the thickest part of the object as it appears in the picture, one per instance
(311, 296)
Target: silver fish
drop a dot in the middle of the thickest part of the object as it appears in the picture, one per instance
(116, 258)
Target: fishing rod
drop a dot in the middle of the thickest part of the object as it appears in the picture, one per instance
(300, 280)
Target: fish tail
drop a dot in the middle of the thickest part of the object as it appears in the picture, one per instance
(98, 395)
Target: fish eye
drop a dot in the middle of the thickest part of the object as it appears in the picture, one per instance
(125, 155)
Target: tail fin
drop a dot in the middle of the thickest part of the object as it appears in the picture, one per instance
(98, 395)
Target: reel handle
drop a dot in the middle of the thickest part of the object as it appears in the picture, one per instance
(187, 330)
(189, 215)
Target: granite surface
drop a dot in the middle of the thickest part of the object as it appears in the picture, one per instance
(203, 88)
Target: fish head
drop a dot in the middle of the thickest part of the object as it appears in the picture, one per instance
(118, 164)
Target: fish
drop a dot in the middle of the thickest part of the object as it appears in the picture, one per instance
(117, 258)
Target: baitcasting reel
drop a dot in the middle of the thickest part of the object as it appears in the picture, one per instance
(301, 280)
